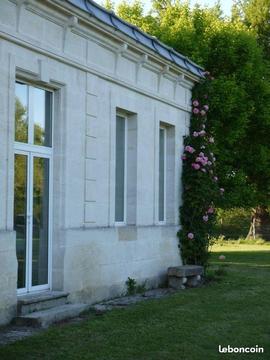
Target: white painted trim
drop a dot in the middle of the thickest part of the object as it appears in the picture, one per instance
(92, 70)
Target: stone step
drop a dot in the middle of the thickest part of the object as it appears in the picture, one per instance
(45, 318)
(35, 302)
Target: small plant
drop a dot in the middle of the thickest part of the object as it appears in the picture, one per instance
(131, 285)
(133, 288)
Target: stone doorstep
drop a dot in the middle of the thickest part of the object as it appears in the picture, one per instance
(35, 302)
(44, 318)
(185, 270)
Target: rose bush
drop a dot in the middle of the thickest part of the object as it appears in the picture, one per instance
(200, 182)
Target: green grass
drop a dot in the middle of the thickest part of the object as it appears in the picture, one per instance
(232, 309)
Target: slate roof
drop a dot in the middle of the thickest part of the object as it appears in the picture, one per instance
(109, 18)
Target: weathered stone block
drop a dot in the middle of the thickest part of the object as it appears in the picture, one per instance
(185, 270)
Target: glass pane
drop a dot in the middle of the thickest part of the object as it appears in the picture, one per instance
(161, 174)
(41, 107)
(20, 215)
(21, 112)
(40, 221)
(120, 169)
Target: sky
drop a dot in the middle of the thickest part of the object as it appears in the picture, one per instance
(225, 4)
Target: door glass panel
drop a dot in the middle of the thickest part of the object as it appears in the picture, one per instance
(21, 112)
(161, 173)
(40, 221)
(41, 107)
(20, 215)
(120, 170)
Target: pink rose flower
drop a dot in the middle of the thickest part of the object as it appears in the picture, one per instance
(211, 210)
(205, 218)
(189, 149)
(196, 103)
(196, 166)
(195, 134)
(190, 235)
(206, 107)
(202, 133)
(201, 154)
(196, 111)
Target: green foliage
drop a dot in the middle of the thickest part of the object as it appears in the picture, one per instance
(134, 288)
(131, 285)
(239, 97)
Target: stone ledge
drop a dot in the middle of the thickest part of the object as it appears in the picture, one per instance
(185, 270)
(187, 275)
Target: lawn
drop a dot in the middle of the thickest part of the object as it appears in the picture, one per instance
(232, 309)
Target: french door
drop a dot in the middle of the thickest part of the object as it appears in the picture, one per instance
(32, 187)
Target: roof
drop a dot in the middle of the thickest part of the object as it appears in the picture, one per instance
(109, 18)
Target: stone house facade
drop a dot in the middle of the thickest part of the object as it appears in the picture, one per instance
(93, 114)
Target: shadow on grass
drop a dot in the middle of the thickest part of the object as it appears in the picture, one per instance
(260, 259)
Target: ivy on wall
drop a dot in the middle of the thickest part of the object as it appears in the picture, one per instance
(200, 182)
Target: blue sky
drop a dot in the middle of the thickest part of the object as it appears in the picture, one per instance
(225, 4)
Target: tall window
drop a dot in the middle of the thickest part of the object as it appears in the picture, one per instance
(162, 175)
(120, 169)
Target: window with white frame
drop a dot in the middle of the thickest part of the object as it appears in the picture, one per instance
(126, 168)
(120, 169)
(162, 175)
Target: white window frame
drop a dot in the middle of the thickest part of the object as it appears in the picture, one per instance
(125, 119)
(31, 150)
(162, 127)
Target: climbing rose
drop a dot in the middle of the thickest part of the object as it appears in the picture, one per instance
(205, 218)
(195, 134)
(196, 166)
(189, 149)
(190, 236)
(202, 133)
(196, 111)
(206, 107)
(201, 154)
(196, 103)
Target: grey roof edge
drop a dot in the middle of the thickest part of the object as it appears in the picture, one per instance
(110, 18)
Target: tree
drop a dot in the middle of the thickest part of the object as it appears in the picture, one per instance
(239, 96)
